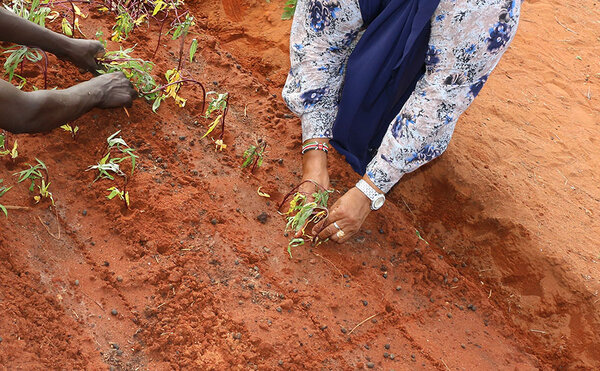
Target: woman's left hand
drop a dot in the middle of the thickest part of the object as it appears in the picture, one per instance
(349, 212)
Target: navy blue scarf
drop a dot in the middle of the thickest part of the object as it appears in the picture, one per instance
(381, 74)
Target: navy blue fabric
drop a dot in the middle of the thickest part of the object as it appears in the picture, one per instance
(381, 74)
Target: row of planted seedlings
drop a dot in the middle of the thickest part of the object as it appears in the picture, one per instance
(130, 14)
(303, 210)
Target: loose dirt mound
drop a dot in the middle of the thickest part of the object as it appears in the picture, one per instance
(507, 280)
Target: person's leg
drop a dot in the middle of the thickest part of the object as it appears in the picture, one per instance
(43, 110)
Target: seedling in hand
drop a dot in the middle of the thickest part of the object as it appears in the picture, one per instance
(302, 212)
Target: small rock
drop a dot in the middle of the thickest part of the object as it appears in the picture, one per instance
(455, 280)
(431, 300)
(413, 356)
(463, 346)
(323, 327)
(398, 288)
(263, 217)
(365, 303)
(0, 339)
(387, 346)
(368, 231)
(182, 137)
(120, 278)
(392, 356)
(114, 312)
(370, 364)
(367, 347)
(385, 275)
(386, 355)
(381, 231)
(280, 363)
(278, 309)
(472, 307)
(76, 282)
(449, 315)
(106, 264)
(84, 212)
(214, 221)
(343, 330)
(374, 320)
(237, 336)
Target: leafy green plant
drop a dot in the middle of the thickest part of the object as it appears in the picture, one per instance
(289, 9)
(74, 130)
(3, 190)
(5, 152)
(193, 49)
(36, 13)
(220, 103)
(17, 56)
(254, 155)
(123, 195)
(109, 164)
(34, 173)
(303, 212)
(138, 72)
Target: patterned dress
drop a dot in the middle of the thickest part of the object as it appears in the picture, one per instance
(468, 38)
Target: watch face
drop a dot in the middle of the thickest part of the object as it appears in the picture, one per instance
(378, 202)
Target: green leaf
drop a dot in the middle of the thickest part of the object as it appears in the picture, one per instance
(289, 10)
(193, 48)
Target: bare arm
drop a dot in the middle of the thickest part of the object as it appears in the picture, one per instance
(17, 30)
(44, 110)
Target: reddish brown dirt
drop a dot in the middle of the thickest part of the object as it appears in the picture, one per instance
(199, 283)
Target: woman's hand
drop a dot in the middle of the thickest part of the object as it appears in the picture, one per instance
(349, 213)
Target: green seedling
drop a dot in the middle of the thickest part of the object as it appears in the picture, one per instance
(3, 190)
(70, 129)
(5, 152)
(220, 103)
(123, 26)
(37, 172)
(135, 69)
(36, 13)
(289, 10)
(254, 156)
(193, 49)
(109, 164)
(302, 213)
(123, 195)
(182, 28)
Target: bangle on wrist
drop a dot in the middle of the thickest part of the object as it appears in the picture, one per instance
(315, 146)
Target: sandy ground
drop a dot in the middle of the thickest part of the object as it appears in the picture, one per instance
(508, 277)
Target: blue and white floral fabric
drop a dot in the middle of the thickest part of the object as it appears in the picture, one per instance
(468, 37)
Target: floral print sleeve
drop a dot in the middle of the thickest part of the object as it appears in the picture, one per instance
(468, 37)
(323, 35)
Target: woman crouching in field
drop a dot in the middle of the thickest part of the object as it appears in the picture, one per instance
(384, 82)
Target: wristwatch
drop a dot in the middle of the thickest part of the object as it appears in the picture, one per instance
(377, 199)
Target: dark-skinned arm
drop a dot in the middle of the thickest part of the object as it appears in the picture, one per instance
(17, 30)
(44, 110)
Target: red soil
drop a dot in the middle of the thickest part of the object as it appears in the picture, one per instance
(198, 282)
